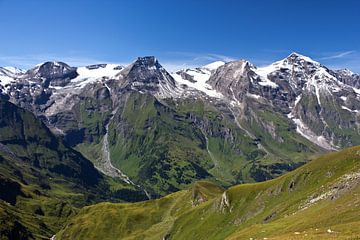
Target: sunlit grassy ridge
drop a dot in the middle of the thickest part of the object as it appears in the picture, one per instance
(320, 200)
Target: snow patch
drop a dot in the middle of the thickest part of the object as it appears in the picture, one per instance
(87, 75)
(167, 90)
(263, 72)
(200, 77)
(14, 70)
(306, 132)
(348, 109)
(253, 95)
(4, 80)
(356, 90)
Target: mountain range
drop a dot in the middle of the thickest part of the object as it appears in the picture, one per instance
(231, 122)
(75, 136)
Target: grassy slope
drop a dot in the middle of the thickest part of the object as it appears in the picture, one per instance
(43, 201)
(274, 209)
(163, 146)
(42, 181)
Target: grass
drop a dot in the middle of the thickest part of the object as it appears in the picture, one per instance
(272, 209)
(163, 145)
(43, 182)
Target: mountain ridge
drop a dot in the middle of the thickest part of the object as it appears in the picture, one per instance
(298, 205)
(273, 116)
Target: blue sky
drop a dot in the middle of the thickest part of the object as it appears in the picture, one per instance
(179, 33)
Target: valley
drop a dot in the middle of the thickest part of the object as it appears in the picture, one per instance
(319, 200)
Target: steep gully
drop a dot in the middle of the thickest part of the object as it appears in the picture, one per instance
(105, 164)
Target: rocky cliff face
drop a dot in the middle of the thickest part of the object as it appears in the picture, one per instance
(146, 75)
(322, 103)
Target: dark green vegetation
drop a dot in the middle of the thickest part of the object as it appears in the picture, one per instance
(42, 181)
(319, 200)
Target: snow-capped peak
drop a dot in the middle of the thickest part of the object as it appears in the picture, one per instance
(214, 65)
(346, 72)
(14, 70)
(149, 62)
(297, 56)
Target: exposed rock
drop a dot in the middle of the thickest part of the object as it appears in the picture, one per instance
(224, 203)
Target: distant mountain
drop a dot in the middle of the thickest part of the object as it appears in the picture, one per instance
(230, 122)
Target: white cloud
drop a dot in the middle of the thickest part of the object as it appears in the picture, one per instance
(341, 60)
(338, 55)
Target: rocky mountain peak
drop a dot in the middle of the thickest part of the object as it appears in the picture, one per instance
(234, 70)
(346, 73)
(233, 78)
(296, 62)
(147, 75)
(295, 57)
(54, 73)
(147, 61)
(348, 77)
(238, 64)
(53, 67)
(145, 65)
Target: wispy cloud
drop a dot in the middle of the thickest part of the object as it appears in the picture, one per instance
(341, 60)
(338, 55)
(179, 60)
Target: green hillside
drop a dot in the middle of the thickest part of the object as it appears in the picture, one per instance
(319, 200)
(167, 145)
(42, 181)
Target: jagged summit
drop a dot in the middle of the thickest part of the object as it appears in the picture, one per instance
(241, 63)
(50, 65)
(143, 67)
(146, 75)
(54, 73)
(346, 71)
(149, 62)
(297, 56)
